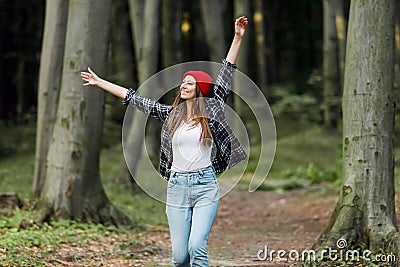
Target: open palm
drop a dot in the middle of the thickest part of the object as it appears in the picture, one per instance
(90, 77)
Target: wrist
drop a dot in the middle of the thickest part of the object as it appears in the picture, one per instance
(237, 38)
(100, 82)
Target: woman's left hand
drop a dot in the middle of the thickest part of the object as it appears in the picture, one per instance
(240, 26)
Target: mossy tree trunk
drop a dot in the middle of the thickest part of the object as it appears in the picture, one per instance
(49, 84)
(330, 66)
(73, 189)
(365, 212)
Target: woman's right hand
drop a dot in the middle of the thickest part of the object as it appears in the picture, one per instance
(90, 77)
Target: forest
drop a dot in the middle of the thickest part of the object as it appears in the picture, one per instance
(314, 101)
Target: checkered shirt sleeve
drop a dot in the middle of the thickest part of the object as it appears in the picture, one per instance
(223, 82)
(156, 110)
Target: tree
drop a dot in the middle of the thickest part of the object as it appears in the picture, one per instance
(211, 13)
(341, 29)
(365, 214)
(330, 68)
(397, 76)
(73, 189)
(146, 40)
(171, 32)
(241, 7)
(123, 67)
(49, 84)
(259, 29)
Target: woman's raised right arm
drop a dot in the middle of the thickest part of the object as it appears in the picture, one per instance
(147, 105)
(92, 79)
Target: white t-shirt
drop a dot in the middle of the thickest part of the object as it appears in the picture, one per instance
(189, 154)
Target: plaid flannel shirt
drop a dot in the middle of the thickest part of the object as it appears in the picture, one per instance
(227, 150)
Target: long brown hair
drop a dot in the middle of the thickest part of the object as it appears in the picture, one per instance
(198, 115)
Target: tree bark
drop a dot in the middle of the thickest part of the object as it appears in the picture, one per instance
(365, 214)
(397, 76)
(49, 84)
(330, 68)
(73, 188)
(211, 13)
(146, 41)
(123, 67)
(341, 29)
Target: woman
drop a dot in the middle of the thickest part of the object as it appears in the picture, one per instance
(195, 120)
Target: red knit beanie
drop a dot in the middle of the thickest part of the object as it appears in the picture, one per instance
(203, 80)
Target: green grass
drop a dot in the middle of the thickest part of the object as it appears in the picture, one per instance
(16, 173)
(306, 154)
(25, 243)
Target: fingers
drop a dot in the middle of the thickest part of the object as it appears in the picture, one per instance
(86, 77)
(242, 21)
(91, 72)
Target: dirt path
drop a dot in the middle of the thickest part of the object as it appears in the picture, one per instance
(247, 222)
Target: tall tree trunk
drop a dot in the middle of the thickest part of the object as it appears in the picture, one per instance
(73, 188)
(311, 21)
(241, 7)
(270, 11)
(365, 214)
(330, 66)
(211, 13)
(171, 54)
(259, 32)
(123, 67)
(146, 41)
(397, 76)
(49, 84)
(171, 32)
(341, 28)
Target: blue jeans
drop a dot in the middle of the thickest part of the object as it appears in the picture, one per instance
(192, 206)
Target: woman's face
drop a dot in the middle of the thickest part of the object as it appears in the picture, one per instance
(188, 87)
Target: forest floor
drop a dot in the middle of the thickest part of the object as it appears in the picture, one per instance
(246, 223)
(287, 213)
